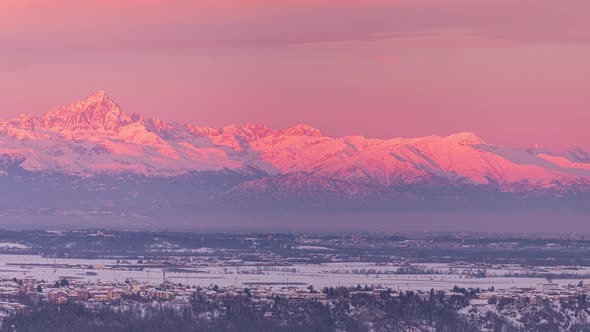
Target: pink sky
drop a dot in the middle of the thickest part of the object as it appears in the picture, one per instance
(514, 71)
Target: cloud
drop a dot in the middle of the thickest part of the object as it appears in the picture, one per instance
(152, 25)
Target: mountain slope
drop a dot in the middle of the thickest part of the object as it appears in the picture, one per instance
(95, 138)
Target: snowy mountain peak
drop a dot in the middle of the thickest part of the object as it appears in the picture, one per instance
(466, 138)
(155, 124)
(100, 95)
(249, 132)
(302, 130)
(99, 100)
(26, 121)
(97, 111)
(203, 131)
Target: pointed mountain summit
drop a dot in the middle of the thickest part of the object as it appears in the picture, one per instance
(302, 130)
(466, 138)
(97, 111)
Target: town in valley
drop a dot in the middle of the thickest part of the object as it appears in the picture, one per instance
(472, 281)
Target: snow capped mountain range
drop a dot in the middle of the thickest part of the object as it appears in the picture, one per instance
(95, 138)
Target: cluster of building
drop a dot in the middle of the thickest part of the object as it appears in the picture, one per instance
(99, 293)
(515, 301)
(532, 295)
(74, 290)
(63, 291)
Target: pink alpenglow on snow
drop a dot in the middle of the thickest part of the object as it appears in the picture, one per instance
(95, 136)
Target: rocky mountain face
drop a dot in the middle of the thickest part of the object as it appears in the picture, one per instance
(99, 148)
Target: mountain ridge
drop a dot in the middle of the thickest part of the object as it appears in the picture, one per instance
(95, 137)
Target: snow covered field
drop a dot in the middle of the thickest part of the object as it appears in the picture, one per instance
(297, 275)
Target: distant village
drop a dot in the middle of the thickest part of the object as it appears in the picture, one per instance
(217, 282)
(177, 296)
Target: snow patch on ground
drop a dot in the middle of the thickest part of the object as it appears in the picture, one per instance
(313, 248)
(11, 245)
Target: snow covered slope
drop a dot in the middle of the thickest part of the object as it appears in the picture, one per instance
(94, 137)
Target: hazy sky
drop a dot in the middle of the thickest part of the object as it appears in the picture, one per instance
(516, 72)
